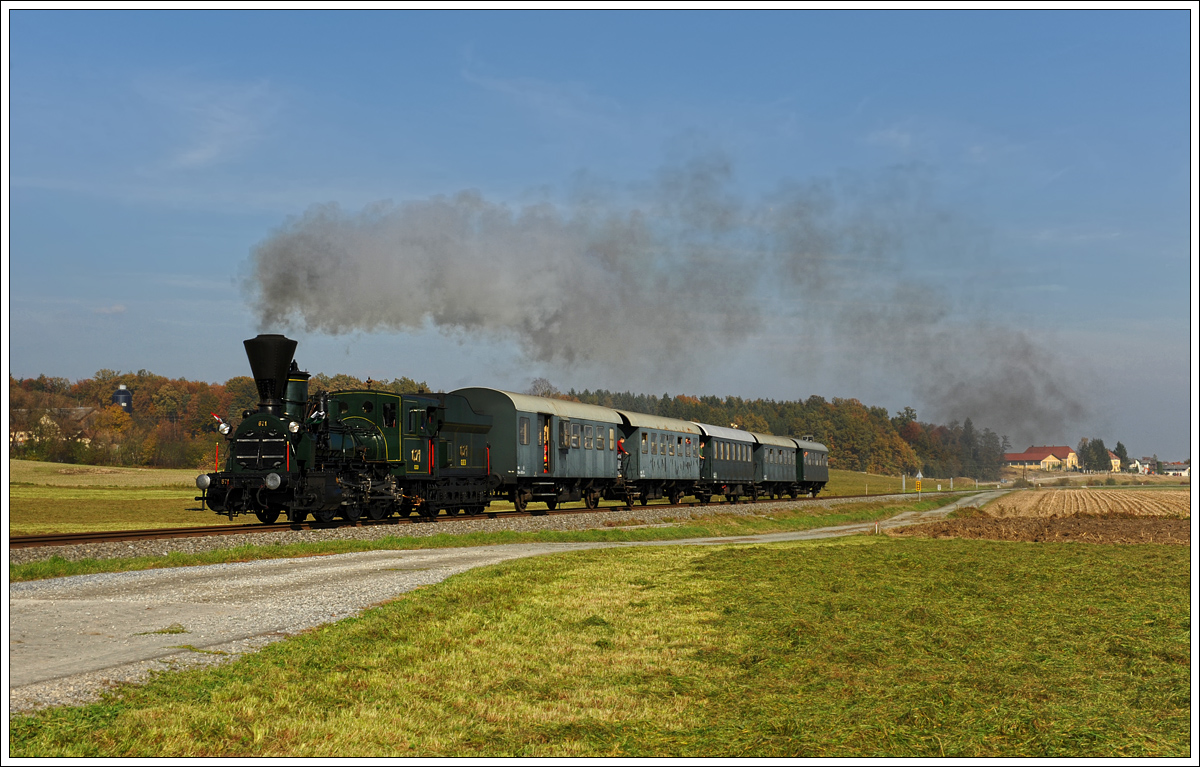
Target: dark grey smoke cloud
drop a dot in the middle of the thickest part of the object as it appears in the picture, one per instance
(622, 284)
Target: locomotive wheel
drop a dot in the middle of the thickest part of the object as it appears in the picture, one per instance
(731, 498)
(704, 499)
(519, 501)
(675, 497)
(643, 500)
(552, 504)
(591, 500)
(296, 516)
(379, 510)
(267, 516)
(324, 516)
(352, 513)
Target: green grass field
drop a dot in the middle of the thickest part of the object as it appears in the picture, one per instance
(859, 647)
(69, 498)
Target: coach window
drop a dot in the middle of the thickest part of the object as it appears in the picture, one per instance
(645, 443)
(575, 435)
(389, 415)
(611, 441)
(524, 429)
(587, 437)
(670, 444)
(653, 444)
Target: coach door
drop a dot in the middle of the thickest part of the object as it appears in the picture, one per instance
(545, 445)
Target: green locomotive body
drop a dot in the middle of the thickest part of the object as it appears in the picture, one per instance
(348, 453)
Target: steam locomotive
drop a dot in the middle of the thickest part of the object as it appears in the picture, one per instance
(378, 454)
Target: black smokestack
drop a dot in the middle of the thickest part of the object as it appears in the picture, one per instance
(270, 358)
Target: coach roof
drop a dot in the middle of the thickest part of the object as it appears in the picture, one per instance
(661, 423)
(527, 403)
(771, 439)
(721, 432)
(804, 444)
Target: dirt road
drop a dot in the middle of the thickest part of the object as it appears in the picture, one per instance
(71, 638)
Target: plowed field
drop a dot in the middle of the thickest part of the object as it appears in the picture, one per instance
(1043, 504)
(1087, 516)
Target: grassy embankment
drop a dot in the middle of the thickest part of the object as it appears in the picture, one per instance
(718, 523)
(860, 647)
(68, 498)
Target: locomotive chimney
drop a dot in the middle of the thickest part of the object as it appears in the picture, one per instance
(296, 397)
(270, 356)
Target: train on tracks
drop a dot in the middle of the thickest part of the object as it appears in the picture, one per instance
(376, 454)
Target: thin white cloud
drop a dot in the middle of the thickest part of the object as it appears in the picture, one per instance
(114, 309)
(896, 137)
(1073, 235)
(1047, 287)
(217, 121)
(561, 102)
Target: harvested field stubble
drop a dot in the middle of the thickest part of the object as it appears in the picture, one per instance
(1084, 516)
(1091, 503)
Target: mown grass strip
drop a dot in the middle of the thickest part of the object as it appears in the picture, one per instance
(856, 647)
(718, 524)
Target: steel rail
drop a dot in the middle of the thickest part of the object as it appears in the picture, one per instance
(117, 536)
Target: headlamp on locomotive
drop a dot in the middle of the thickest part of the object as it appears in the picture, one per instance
(270, 448)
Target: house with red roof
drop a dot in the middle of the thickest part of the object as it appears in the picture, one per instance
(1044, 458)
(1114, 460)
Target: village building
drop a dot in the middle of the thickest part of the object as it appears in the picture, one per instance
(74, 419)
(1045, 458)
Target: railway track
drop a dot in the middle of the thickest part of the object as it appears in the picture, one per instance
(113, 536)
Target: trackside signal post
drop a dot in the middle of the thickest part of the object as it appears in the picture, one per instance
(919, 478)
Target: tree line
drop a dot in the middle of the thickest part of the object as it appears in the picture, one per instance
(172, 423)
(859, 437)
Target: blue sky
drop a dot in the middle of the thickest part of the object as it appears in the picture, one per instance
(994, 204)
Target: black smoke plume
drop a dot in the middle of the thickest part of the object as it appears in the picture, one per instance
(684, 261)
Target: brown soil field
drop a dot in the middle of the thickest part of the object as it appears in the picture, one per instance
(1084, 516)
(1042, 504)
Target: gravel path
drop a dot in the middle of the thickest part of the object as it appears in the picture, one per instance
(72, 638)
(645, 514)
